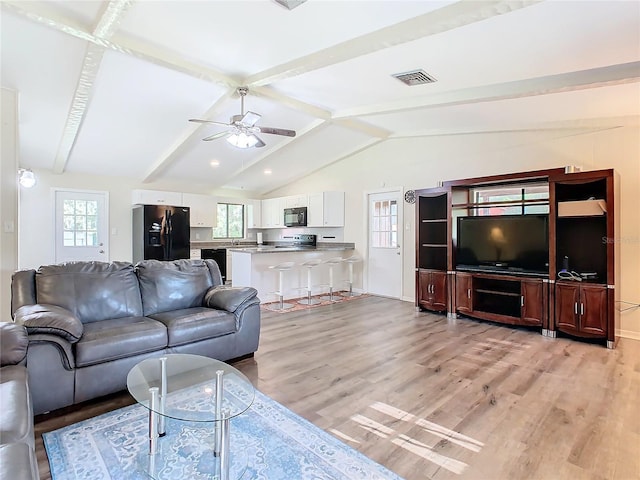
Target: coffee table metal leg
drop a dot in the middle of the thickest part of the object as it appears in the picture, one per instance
(163, 396)
(153, 421)
(218, 427)
(224, 447)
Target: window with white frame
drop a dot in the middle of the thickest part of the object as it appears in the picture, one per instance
(80, 223)
(384, 231)
(512, 200)
(230, 221)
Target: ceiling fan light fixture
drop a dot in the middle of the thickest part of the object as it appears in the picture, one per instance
(242, 140)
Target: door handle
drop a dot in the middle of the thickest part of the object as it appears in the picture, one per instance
(468, 293)
(582, 309)
(101, 251)
(522, 300)
(575, 308)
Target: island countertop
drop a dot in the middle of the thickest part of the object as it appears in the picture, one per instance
(282, 248)
(252, 269)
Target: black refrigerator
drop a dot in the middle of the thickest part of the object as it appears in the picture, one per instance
(160, 232)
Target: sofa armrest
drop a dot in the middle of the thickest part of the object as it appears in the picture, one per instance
(13, 344)
(229, 298)
(50, 319)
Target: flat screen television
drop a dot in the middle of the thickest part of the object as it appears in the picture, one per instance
(505, 243)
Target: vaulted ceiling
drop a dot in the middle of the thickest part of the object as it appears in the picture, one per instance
(107, 88)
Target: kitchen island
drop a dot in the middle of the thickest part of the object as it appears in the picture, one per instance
(250, 268)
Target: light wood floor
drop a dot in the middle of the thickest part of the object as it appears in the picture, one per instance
(437, 399)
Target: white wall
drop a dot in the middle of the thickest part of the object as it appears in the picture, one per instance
(423, 162)
(8, 196)
(37, 211)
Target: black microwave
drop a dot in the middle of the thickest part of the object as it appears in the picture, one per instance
(295, 217)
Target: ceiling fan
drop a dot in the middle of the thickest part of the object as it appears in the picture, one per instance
(241, 130)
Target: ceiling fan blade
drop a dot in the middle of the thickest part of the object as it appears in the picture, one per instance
(278, 131)
(208, 121)
(215, 135)
(260, 142)
(250, 119)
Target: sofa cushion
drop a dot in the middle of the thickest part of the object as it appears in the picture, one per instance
(13, 343)
(168, 286)
(92, 291)
(50, 319)
(18, 462)
(16, 423)
(194, 324)
(118, 338)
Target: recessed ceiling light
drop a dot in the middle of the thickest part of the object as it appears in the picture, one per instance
(267, 171)
(214, 163)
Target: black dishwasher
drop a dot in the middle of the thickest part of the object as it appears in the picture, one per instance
(220, 257)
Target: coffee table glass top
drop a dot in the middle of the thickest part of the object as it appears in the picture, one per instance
(191, 387)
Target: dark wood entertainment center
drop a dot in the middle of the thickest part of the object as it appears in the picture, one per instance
(581, 226)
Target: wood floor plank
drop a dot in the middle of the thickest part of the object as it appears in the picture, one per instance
(435, 398)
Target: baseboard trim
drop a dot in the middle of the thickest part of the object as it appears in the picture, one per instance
(628, 334)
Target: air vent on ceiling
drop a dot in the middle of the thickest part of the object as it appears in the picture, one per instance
(415, 77)
(290, 4)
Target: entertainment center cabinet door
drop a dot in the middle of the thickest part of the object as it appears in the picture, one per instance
(432, 290)
(464, 303)
(532, 302)
(593, 318)
(581, 310)
(439, 282)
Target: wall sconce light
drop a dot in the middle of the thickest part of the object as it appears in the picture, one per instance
(26, 177)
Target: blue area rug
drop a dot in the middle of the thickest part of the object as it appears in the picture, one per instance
(268, 442)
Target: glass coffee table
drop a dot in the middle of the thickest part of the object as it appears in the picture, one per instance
(191, 388)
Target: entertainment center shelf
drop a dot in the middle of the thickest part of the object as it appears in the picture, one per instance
(501, 298)
(492, 248)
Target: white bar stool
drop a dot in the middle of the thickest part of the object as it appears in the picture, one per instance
(281, 268)
(309, 264)
(351, 260)
(332, 262)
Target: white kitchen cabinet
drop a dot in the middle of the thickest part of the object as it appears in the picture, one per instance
(156, 197)
(273, 212)
(267, 207)
(203, 208)
(326, 209)
(296, 201)
(254, 213)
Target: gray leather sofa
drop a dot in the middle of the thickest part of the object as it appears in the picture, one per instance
(89, 323)
(17, 453)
